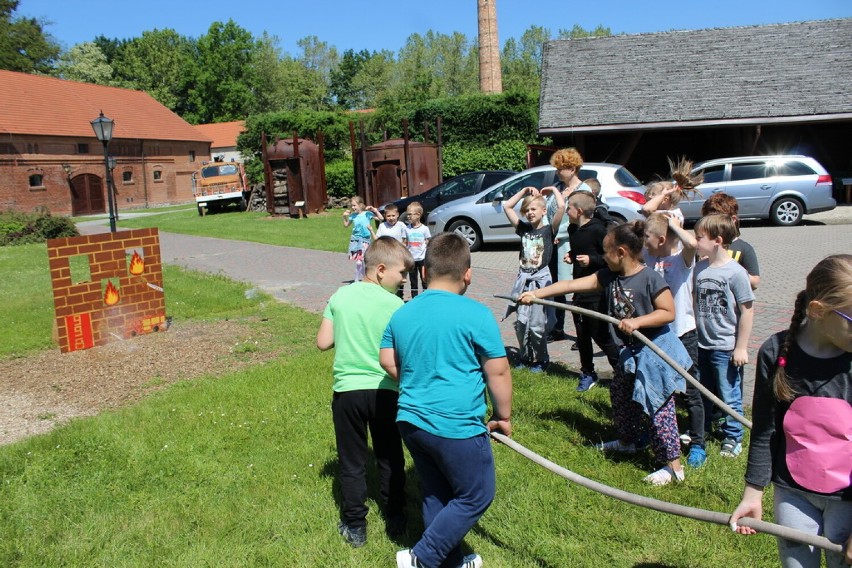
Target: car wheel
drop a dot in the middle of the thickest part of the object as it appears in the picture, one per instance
(468, 231)
(201, 211)
(618, 218)
(243, 204)
(786, 212)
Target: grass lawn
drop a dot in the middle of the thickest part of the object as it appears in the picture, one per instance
(239, 470)
(319, 232)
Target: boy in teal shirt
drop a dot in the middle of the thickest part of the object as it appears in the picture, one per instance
(364, 395)
(446, 350)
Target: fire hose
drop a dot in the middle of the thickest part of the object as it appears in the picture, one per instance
(649, 502)
(662, 354)
(670, 508)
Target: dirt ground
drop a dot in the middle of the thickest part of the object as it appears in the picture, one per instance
(49, 388)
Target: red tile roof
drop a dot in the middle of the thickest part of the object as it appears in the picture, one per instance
(34, 104)
(223, 134)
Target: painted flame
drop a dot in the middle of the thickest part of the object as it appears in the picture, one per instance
(111, 296)
(137, 265)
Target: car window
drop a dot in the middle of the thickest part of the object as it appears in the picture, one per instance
(714, 174)
(626, 179)
(465, 185)
(585, 174)
(793, 169)
(507, 190)
(492, 178)
(748, 170)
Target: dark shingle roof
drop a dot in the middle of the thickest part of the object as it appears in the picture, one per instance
(755, 74)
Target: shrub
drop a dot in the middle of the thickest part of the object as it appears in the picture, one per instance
(340, 178)
(505, 155)
(18, 228)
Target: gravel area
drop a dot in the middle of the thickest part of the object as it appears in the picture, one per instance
(49, 388)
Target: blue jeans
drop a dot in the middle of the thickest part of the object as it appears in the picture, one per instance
(458, 483)
(722, 378)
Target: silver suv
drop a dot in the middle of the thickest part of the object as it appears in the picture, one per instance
(779, 188)
(479, 218)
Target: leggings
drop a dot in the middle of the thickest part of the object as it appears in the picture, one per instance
(632, 424)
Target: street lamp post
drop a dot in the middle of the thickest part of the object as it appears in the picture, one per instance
(103, 130)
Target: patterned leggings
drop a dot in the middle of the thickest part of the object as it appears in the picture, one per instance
(632, 424)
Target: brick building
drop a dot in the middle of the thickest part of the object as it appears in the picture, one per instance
(50, 157)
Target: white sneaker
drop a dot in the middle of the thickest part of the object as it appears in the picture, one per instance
(405, 559)
(471, 561)
(685, 439)
(664, 476)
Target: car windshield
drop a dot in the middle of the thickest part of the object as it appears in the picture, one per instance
(213, 171)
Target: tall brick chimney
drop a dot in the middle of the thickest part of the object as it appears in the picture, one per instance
(490, 74)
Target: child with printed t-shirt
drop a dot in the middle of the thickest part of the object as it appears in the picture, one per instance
(723, 316)
(418, 238)
(537, 235)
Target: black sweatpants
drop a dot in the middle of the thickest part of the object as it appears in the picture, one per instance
(353, 412)
(589, 328)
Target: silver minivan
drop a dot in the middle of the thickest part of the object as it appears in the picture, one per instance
(779, 188)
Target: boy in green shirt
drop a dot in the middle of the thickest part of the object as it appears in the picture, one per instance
(364, 395)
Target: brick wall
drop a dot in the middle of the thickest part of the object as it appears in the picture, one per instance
(84, 317)
(23, 156)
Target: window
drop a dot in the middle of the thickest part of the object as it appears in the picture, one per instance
(714, 174)
(491, 179)
(36, 180)
(192, 155)
(535, 179)
(82, 148)
(127, 176)
(748, 170)
(793, 169)
(158, 175)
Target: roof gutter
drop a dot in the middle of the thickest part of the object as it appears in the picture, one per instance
(697, 123)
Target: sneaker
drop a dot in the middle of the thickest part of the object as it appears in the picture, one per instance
(617, 446)
(696, 457)
(730, 448)
(587, 382)
(538, 367)
(471, 561)
(664, 476)
(575, 347)
(685, 439)
(520, 365)
(555, 335)
(355, 536)
(406, 559)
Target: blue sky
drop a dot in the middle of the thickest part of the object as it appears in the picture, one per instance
(385, 24)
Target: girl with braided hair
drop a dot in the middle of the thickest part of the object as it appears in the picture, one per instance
(802, 434)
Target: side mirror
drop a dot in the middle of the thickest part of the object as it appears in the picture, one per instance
(498, 198)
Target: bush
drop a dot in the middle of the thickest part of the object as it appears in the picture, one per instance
(18, 228)
(340, 178)
(506, 155)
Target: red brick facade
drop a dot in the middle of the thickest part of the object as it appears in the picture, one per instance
(122, 295)
(42, 171)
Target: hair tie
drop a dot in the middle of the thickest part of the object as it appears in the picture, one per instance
(782, 362)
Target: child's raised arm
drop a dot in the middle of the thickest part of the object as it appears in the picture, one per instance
(686, 238)
(654, 203)
(586, 284)
(509, 204)
(560, 207)
(378, 216)
(346, 218)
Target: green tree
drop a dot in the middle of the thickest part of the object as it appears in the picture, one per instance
(85, 62)
(361, 78)
(24, 45)
(224, 85)
(434, 65)
(521, 60)
(579, 32)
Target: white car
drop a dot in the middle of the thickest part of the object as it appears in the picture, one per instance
(480, 218)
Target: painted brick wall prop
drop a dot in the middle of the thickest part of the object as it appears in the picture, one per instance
(120, 295)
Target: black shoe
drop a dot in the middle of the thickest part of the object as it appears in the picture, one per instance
(575, 347)
(556, 335)
(355, 536)
(396, 525)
